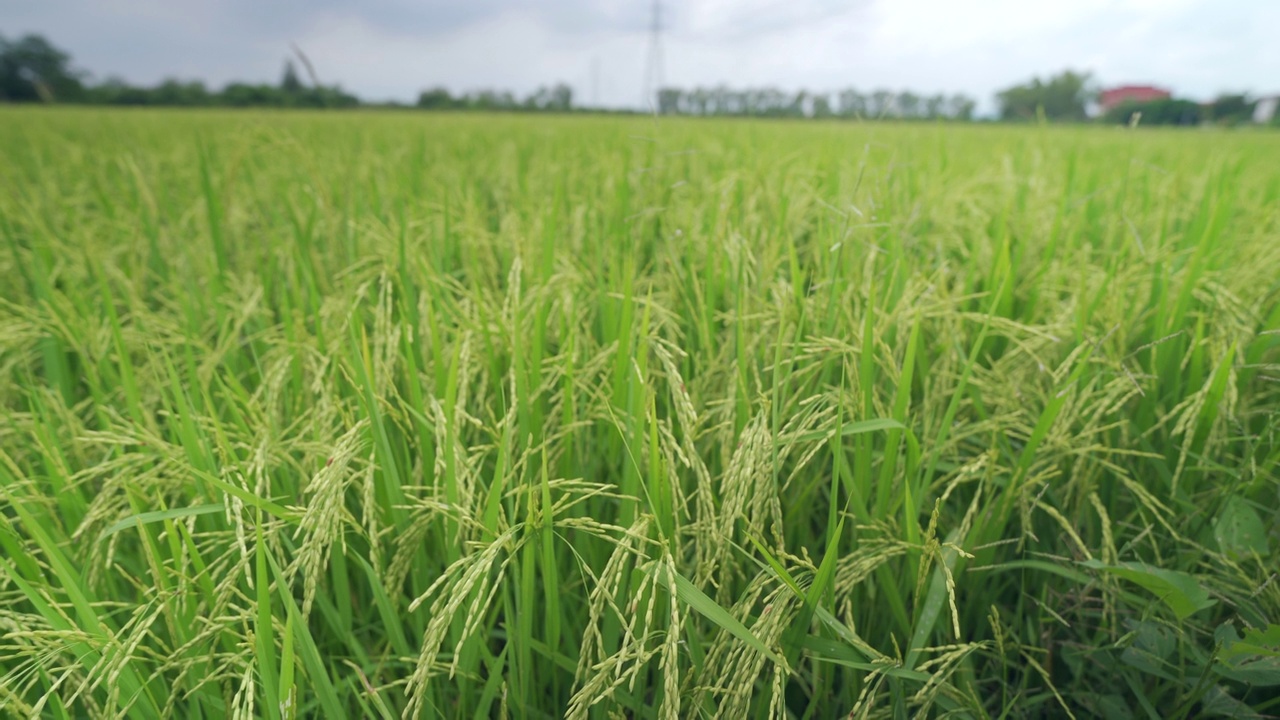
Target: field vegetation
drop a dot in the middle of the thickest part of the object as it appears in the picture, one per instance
(371, 415)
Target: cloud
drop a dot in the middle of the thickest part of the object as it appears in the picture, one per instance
(393, 48)
(749, 20)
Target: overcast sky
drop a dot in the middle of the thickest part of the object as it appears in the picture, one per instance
(391, 49)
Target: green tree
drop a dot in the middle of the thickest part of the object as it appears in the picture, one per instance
(909, 104)
(246, 95)
(796, 108)
(882, 103)
(961, 107)
(289, 83)
(1062, 97)
(176, 92)
(822, 106)
(114, 91)
(851, 103)
(561, 98)
(1168, 111)
(935, 106)
(669, 100)
(1230, 109)
(437, 98)
(32, 70)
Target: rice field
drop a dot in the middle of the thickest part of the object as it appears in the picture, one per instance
(463, 416)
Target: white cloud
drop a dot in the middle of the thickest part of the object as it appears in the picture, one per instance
(512, 50)
(393, 48)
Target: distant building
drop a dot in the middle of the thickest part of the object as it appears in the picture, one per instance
(1114, 97)
(1265, 109)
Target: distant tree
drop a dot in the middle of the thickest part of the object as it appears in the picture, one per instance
(669, 101)
(115, 91)
(717, 101)
(496, 100)
(561, 98)
(798, 106)
(556, 99)
(822, 106)
(909, 104)
(882, 103)
(1230, 109)
(538, 100)
(32, 69)
(177, 93)
(852, 103)
(289, 82)
(1061, 97)
(335, 97)
(773, 102)
(247, 95)
(935, 106)
(501, 100)
(696, 102)
(436, 98)
(1168, 111)
(961, 107)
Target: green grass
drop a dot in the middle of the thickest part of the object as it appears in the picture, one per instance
(378, 415)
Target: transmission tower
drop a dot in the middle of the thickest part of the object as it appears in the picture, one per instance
(653, 66)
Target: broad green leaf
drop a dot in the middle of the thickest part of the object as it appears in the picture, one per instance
(1253, 659)
(1239, 530)
(1176, 589)
(1219, 703)
(1150, 649)
(1111, 707)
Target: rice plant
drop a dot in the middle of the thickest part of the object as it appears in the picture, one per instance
(391, 415)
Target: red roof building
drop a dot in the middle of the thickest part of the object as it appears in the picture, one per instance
(1114, 97)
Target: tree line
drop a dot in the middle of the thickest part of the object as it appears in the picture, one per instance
(849, 103)
(1067, 96)
(33, 70)
(1227, 109)
(557, 98)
